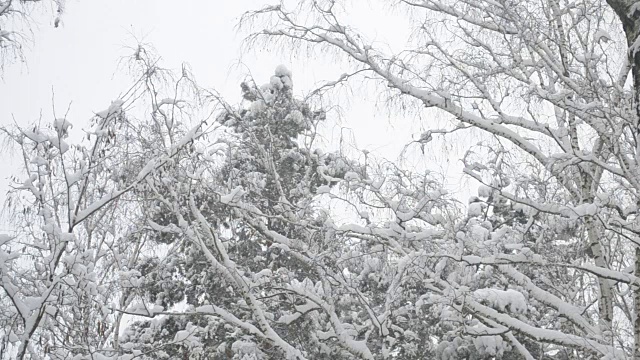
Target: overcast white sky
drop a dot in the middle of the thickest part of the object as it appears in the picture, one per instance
(78, 62)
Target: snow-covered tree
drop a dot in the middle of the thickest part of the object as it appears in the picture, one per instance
(201, 230)
(260, 158)
(276, 249)
(547, 261)
(68, 271)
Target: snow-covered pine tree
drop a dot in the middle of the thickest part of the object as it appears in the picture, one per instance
(279, 250)
(261, 176)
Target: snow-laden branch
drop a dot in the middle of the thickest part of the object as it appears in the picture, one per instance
(539, 334)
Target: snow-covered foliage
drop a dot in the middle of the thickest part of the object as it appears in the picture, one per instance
(545, 262)
(257, 248)
(172, 234)
(69, 270)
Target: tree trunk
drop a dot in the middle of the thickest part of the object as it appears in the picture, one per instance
(605, 301)
(631, 25)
